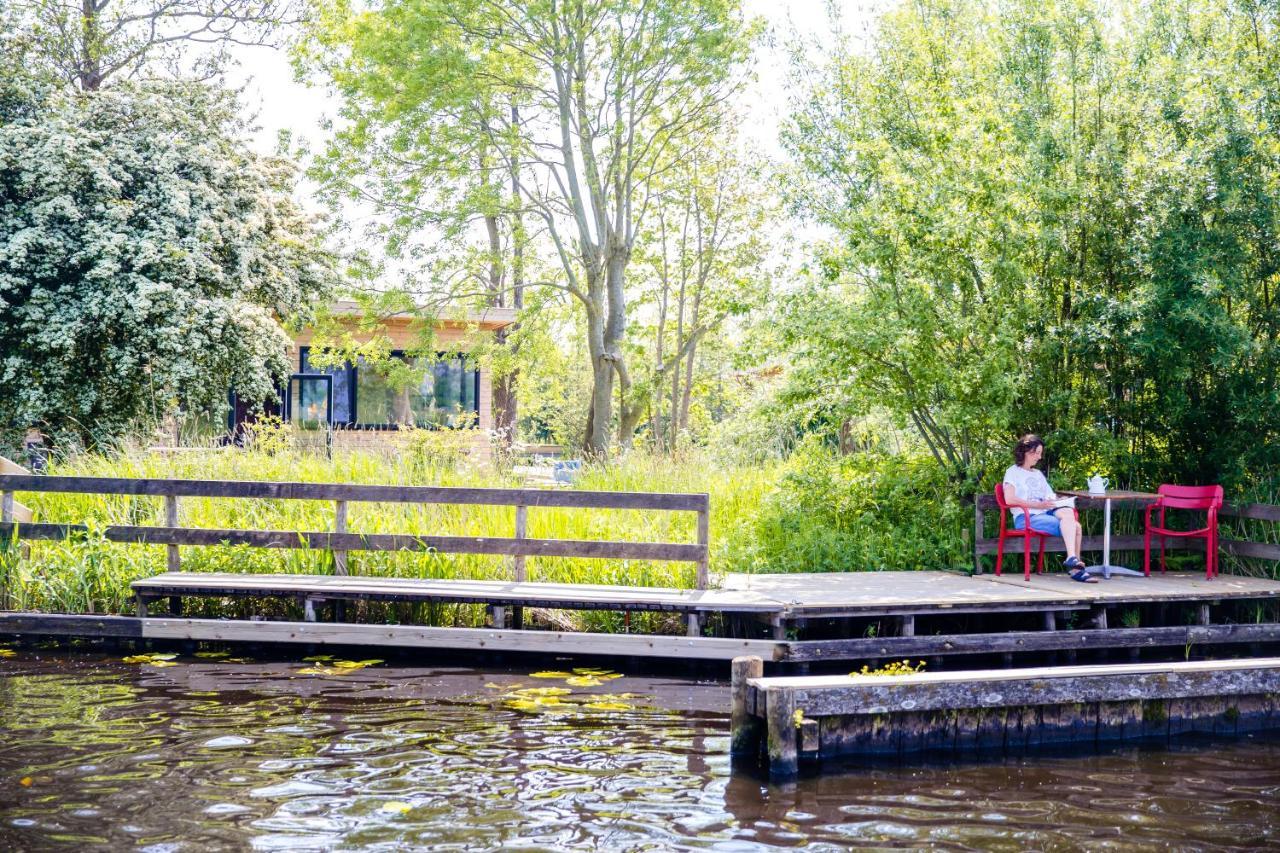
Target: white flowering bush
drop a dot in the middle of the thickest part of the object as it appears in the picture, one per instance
(148, 258)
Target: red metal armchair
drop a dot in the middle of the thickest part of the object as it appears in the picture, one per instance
(1185, 497)
(1006, 532)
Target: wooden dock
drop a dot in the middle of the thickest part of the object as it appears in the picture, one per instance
(993, 711)
(800, 619)
(762, 603)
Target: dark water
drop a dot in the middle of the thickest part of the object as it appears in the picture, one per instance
(215, 754)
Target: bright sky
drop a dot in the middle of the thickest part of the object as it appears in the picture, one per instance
(285, 104)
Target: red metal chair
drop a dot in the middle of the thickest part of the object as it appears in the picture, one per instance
(1185, 497)
(1026, 533)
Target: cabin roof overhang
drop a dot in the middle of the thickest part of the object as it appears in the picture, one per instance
(490, 319)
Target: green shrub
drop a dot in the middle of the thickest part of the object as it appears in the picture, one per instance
(861, 512)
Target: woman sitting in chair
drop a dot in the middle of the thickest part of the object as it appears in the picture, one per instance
(1028, 493)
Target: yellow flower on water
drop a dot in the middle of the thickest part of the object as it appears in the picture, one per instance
(550, 674)
(542, 691)
(396, 807)
(583, 681)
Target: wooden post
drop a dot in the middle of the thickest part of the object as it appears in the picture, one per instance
(744, 726)
(1204, 614)
(522, 530)
(908, 626)
(693, 624)
(6, 507)
(519, 570)
(780, 711)
(340, 526)
(704, 539)
(174, 561)
(977, 533)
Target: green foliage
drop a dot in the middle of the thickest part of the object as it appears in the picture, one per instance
(860, 512)
(1055, 217)
(91, 574)
(144, 255)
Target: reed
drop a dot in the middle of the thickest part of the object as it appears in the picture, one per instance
(91, 575)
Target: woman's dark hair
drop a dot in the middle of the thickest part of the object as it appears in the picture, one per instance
(1029, 442)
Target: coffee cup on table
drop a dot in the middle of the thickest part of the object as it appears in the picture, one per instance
(1097, 485)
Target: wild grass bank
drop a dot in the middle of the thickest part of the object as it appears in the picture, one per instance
(813, 512)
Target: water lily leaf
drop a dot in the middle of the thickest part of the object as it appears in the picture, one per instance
(542, 691)
(355, 664)
(212, 655)
(8, 653)
(396, 807)
(315, 658)
(165, 656)
(550, 674)
(583, 681)
(162, 663)
(608, 706)
(315, 670)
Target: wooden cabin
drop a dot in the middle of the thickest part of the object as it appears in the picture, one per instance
(362, 409)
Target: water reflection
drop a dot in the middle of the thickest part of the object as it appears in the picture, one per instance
(213, 754)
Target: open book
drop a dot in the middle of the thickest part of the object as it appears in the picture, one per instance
(1064, 502)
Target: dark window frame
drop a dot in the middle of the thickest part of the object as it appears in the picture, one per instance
(353, 394)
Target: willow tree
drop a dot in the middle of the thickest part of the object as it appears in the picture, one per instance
(606, 95)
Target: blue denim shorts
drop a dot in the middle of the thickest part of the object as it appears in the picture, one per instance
(1042, 522)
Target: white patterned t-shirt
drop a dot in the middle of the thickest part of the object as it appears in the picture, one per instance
(1029, 486)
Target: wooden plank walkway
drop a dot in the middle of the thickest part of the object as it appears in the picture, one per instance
(886, 593)
(781, 597)
(507, 593)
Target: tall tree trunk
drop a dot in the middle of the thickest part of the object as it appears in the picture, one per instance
(506, 402)
(91, 59)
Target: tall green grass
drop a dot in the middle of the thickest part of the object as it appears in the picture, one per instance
(91, 575)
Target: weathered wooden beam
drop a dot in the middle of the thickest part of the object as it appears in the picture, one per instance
(744, 725)
(354, 492)
(325, 540)
(1028, 641)
(704, 540)
(407, 636)
(780, 732)
(340, 526)
(842, 695)
(63, 625)
(172, 559)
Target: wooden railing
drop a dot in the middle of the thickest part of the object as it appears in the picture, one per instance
(984, 545)
(519, 546)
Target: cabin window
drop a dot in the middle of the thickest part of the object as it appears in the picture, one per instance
(447, 395)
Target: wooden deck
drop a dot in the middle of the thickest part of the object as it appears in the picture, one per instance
(789, 596)
(876, 593)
